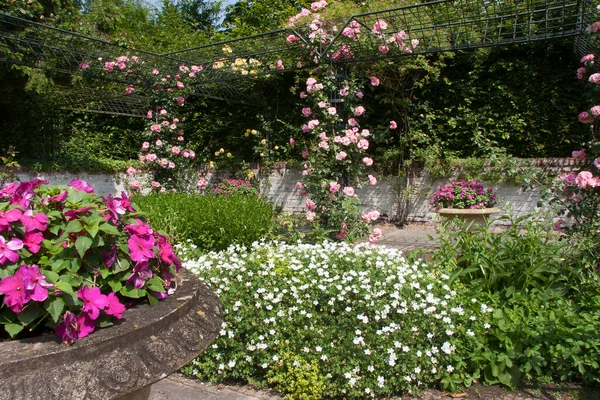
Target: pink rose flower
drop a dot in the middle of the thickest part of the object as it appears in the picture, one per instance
(135, 185)
(341, 155)
(587, 58)
(367, 161)
(175, 150)
(334, 187)
(372, 180)
(393, 125)
(374, 81)
(583, 178)
(585, 118)
(579, 154)
(348, 191)
(595, 78)
(360, 110)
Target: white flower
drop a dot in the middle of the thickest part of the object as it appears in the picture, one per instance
(380, 381)
(449, 368)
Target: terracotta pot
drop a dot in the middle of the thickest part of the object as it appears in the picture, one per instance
(471, 216)
(147, 345)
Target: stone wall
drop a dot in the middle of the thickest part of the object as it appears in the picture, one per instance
(389, 196)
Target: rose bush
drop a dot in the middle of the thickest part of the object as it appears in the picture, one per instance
(71, 260)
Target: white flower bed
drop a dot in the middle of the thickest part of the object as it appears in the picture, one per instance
(370, 323)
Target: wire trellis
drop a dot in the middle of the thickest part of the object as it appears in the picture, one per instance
(442, 25)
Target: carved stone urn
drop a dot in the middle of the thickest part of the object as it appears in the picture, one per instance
(121, 361)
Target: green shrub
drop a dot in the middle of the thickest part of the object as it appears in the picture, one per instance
(361, 317)
(210, 222)
(529, 257)
(547, 304)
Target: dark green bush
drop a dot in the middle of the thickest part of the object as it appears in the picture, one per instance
(209, 222)
(546, 301)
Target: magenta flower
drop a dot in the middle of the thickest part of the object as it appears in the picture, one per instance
(74, 214)
(8, 250)
(114, 306)
(141, 248)
(60, 198)
(33, 240)
(110, 257)
(72, 327)
(9, 216)
(93, 301)
(140, 275)
(166, 253)
(32, 222)
(13, 289)
(81, 185)
(36, 287)
(141, 228)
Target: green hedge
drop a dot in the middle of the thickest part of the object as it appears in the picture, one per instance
(209, 222)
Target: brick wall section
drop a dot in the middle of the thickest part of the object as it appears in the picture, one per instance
(280, 187)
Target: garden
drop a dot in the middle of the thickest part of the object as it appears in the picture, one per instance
(312, 305)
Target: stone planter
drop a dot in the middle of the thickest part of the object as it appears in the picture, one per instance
(472, 217)
(122, 360)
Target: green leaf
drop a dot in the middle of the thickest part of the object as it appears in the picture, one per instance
(115, 285)
(154, 284)
(64, 287)
(105, 323)
(108, 228)
(104, 272)
(13, 329)
(51, 276)
(74, 265)
(29, 314)
(83, 244)
(121, 265)
(129, 291)
(73, 226)
(55, 308)
(152, 299)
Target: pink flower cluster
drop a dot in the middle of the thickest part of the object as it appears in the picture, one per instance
(27, 235)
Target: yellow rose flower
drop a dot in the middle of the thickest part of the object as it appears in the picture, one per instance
(253, 131)
(228, 155)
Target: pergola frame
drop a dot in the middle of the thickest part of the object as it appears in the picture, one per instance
(437, 26)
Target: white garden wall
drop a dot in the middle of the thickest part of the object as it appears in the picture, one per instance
(279, 186)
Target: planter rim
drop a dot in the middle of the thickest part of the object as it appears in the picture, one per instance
(471, 211)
